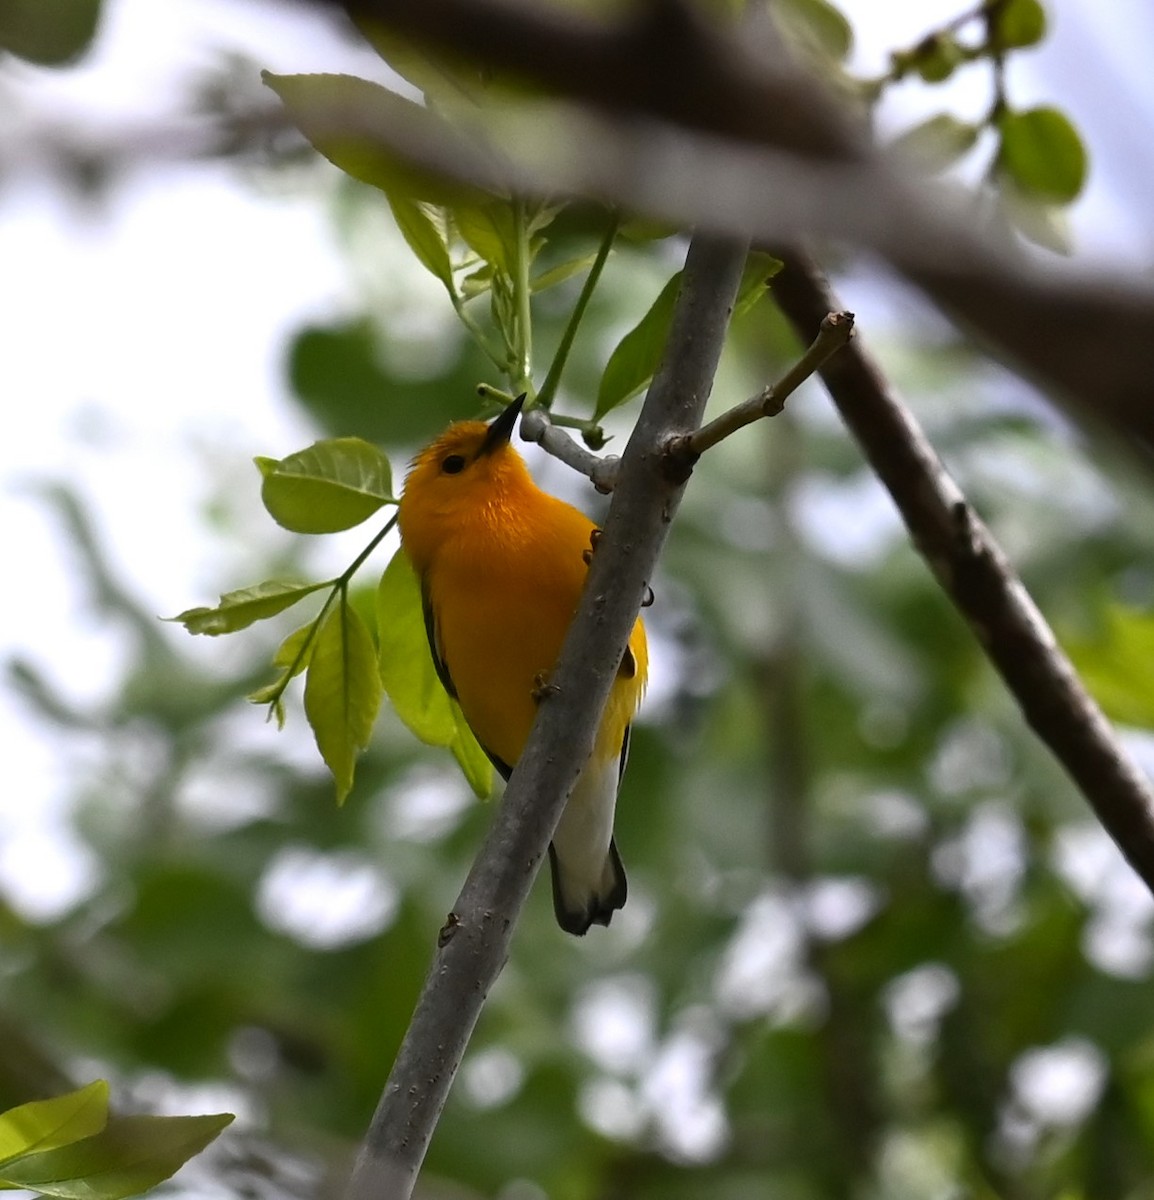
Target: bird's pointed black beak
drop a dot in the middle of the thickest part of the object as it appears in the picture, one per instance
(501, 429)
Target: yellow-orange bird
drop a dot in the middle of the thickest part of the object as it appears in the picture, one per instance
(501, 566)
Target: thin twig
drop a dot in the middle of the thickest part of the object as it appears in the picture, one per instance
(836, 329)
(549, 388)
(474, 942)
(602, 472)
(975, 574)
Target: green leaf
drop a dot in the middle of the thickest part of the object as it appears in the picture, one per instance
(342, 692)
(440, 79)
(294, 652)
(239, 609)
(1046, 225)
(472, 760)
(1117, 666)
(424, 237)
(1018, 23)
(292, 656)
(376, 136)
(490, 231)
(638, 354)
(411, 682)
(49, 34)
(939, 142)
(333, 485)
(818, 25)
(562, 271)
(938, 57)
(1042, 154)
(477, 282)
(129, 1156)
(759, 271)
(43, 1125)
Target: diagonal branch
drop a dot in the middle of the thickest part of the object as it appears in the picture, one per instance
(474, 941)
(975, 574)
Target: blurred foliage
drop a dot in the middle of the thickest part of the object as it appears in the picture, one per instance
(875, 946)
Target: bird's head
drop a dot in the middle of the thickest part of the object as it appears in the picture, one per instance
(466, 478)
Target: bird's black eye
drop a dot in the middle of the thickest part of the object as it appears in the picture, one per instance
(454, 464)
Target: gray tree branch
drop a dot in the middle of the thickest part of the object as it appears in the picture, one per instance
(978, 579)
(474, 941)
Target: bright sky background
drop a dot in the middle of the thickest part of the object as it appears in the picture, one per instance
(142, 337)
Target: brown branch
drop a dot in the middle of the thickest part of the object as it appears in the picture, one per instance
(835, 330)
(975, 574)
(474, 942)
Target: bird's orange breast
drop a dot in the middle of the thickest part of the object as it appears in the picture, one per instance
(502, 605)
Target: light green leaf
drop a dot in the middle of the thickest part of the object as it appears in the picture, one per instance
(1018, 23)
(410, 680)
(129, 1156)
(759, 271)
(818, 25)
(477, 282)
(292, 656)
(1043, 155)
(637, 355)
(1117, 666)
(239, 609)
(562, 271)
(472, 760)
(44, 1125)
(424, 237)
(293, 653)
(342, 692)
(490, 231)
(333, 485)
(1046, 225)
(450, 85)
(938, 142)
(373, 134)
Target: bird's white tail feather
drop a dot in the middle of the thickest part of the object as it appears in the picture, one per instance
(588, 879)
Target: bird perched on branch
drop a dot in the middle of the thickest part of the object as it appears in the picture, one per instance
(501, 566)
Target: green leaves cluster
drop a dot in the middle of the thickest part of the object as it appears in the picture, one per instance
(329, 487)
(1039, 162)
(477, 243)
(72, 1147)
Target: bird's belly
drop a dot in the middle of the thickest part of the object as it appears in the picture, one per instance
(495, 649)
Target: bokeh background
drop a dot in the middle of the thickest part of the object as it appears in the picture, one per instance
(875, 946)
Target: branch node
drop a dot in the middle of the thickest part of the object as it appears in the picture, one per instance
(966, 533)
(542, 688)
(679, 457)
(601, 472)
(835, 330)
(446, 932)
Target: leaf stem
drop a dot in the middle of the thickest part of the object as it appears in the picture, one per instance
(476, 332)
(522, 291)
(340, 584)
(553, 378)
